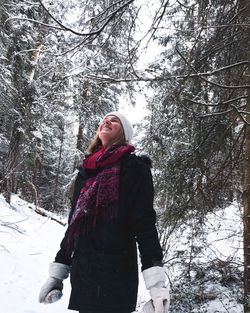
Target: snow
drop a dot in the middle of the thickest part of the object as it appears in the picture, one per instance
(27, 247)
(219, 231)
(30, 241)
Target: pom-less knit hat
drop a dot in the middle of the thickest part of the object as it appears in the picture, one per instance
(126, 125)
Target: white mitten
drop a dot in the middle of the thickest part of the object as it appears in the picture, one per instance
(51, 291)
(154, 278)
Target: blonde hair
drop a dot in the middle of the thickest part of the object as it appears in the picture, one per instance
(95, 143)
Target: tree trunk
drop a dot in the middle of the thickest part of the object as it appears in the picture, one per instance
(246, 187)
(11, 163)
(246, 206)
(34, 60)
(79, 143)
(55, 202)
(22, 120)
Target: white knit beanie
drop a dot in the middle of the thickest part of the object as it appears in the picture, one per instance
(126, 125)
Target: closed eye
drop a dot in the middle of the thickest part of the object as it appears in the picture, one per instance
(115, 120)
(112, 119)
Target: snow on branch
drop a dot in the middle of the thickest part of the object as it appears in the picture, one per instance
(104, 22)
(201, 75)
(109, 79)
(215, 104)
(45, 213)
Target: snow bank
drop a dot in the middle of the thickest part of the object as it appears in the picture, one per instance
(28, 243)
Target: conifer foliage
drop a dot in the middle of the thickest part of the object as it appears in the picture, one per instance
(199, 116)
(64, 64)
(51, 102)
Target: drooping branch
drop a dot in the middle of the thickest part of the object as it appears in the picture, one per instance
(132, 51)
(215, 104)
(33, 21)
(68, 29)
(224, 68)
(241, 114)
(89, 36)
(138, 78)
(218, 113)
(201, 75)
(238, 110)
(158, 20)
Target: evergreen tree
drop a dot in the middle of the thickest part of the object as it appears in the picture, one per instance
(52, 54)
(202, 105)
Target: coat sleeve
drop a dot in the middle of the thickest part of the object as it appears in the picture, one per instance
(144, 219)
(64, 255)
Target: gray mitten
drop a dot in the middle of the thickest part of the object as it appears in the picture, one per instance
(51, 290)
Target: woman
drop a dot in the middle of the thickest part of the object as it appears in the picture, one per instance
(112, 210)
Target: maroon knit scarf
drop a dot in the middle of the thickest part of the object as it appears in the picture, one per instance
(99, 196)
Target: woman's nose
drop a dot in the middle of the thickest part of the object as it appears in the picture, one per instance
(107, 122)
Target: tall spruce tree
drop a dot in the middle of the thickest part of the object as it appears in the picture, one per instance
(203, 133)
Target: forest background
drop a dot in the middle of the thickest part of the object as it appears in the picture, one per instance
(64, 65)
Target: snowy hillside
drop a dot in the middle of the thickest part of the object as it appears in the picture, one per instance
(29, 242)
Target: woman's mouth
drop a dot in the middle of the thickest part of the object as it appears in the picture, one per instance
(107, 127)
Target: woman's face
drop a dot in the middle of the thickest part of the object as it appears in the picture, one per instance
(109, 129)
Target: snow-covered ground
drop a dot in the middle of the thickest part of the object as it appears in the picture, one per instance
(29, 242)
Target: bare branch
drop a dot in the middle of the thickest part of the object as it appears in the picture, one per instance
(215, 104)
(31, 20)
(13, 226)
(114, 80)
(215, 113)
(226, 86)
(158, 20)
(240, 115)
(204, 74)
(91, 33)
(101, 16)
(130, 54)
(233, 108)
(2, 248)
(226, 25)
(239, 12)
(224, 68)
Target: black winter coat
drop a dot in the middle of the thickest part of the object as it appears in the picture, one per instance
(104, 273)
